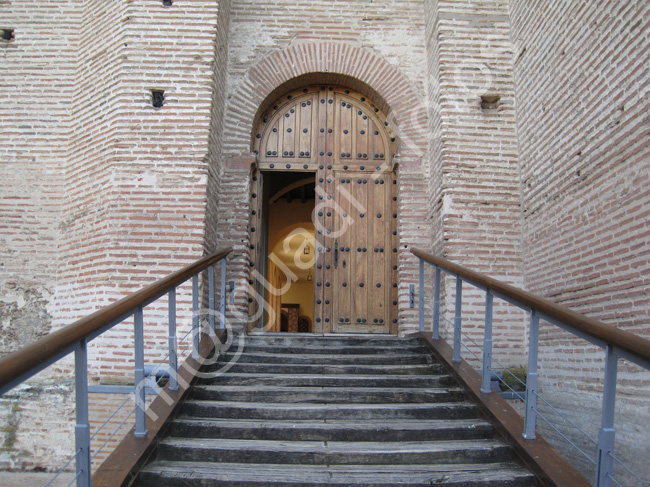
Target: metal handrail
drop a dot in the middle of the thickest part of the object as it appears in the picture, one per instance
(617, 343)
(22, 364)
(26, 362)
(628, 342)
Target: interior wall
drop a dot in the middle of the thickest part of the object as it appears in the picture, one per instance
(284, 218)
(301, 293)
(583, 99)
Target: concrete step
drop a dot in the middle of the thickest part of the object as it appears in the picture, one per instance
(312, 430)
(185, 474)
(394, 358)
(326, 380)
(333, 453)
(256, 368)
(306, 411)
(328, 395)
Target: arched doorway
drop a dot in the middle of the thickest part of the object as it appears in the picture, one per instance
(343, 141)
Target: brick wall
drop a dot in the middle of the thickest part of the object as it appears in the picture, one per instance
(36, 90)
(474, 175)
(137, 177)
(102, 193)
(583, 93)
(376, 48)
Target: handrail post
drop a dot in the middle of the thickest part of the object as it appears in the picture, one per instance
(196, 332)
(487, 344)
(211, 299)
(421, 303)
(458, 319)
(82, 427)
(435, 327)
(140, 389)
(173, 355)
(530, 420)
(222, 304)
(607, 433)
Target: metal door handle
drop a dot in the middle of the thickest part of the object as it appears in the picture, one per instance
(336, 254)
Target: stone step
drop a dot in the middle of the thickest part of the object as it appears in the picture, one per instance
(317, 380)
(311, 430)
(299, 340)
(333, 453)
(306, 411)
(185, 474)
(332, 349)
(404, 358)
(257, 368)
(330, 395)
(301, 410)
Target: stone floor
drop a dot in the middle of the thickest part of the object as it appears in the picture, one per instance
(33, 479)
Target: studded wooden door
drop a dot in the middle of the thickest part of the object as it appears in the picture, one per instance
(346, 141)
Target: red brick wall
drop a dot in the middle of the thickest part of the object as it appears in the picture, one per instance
(36, 89)
(378, 47)
(474, 176)
(102, 193)
(582, 97)
(137, 175)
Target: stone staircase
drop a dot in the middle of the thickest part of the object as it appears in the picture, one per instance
(301, 410)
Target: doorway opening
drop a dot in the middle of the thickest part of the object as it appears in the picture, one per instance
(326, 157)
(289, 200)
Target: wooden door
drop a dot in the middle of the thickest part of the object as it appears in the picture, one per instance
(346, 140)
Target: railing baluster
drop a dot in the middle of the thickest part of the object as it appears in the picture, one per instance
(487, 344)
(211, 299)
(173, 355)
(435, 327)
(222, 304)
(421, 295)
(530, 420)
(196, 332)
(140, 389)
(607, 433)
(82, 428)
(458, 319)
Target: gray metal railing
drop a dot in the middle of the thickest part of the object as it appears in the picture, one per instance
(617, 344)
(23, 364)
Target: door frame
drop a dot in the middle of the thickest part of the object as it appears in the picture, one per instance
(324, 163)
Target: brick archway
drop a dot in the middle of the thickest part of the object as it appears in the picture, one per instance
(331, 63)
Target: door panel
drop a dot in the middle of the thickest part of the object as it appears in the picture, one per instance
(346, 139)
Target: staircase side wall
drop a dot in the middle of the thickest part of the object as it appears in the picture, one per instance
(583, 104)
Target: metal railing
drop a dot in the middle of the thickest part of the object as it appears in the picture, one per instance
(19, 366)
(616, 342)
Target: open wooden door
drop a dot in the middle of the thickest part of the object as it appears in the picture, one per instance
(347, 140)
